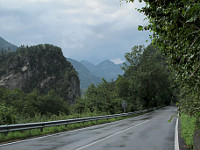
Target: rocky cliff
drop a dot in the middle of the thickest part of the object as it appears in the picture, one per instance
(43, 67)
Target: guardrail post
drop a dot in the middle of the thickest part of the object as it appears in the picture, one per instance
(96, 119)
(41, 129)
(5, 133)
(22, 131)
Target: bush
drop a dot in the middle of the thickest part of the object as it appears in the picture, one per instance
(7, 115)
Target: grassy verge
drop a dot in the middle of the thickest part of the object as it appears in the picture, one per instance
(13, 136)
(187, 129)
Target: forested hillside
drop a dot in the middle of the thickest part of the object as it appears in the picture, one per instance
(42, 67)
(37, 79)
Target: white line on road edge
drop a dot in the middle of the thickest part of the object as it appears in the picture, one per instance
(176, 144)
(111, 135)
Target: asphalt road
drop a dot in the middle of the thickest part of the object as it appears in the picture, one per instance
(148, 132)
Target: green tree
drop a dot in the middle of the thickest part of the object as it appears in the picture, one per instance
(149, 79)
(7, 115)
(99, 99)
(176, 27)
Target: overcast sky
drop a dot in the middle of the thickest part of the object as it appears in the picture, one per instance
(92, 30)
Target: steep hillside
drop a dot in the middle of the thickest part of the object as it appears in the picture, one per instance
(91, 67)
(86, 77)
(106, 69)
(43, 67)
(6, 45)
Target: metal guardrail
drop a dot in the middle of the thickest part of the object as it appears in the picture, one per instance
(40, 125)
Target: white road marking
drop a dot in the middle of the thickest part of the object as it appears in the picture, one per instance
(176, 144)
(112, 135)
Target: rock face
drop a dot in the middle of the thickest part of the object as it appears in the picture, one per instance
(43, 67)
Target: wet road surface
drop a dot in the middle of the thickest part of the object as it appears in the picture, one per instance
(148, 132)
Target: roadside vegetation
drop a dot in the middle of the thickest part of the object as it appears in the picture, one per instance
(175, 27)
(187, 129)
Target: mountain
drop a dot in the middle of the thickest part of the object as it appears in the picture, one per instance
(41, 67)
(86, 77)
(6, 45)
(106, 69)
(88, 65)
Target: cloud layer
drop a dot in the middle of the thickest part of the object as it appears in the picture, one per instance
(93, 30)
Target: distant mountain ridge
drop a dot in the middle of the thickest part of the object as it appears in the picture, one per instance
(86, 77)
(93, 74)
(106, 69)
(7, 45)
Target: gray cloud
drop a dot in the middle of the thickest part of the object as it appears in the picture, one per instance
(84, 29)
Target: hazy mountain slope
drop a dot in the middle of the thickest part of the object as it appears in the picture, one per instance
(91, 67)
(6, 45)
(86, 77)
(106, 69)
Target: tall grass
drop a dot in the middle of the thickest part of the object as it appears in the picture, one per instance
(49, 117)
(187, 129)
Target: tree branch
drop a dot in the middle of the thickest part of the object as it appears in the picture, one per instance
(194, 42)
(195, 71)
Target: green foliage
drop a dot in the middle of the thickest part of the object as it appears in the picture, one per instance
(29, 105)
(7, 115)
(176, 29)
(187, 129)
(100, 98)
(149, 80)
(146, 83)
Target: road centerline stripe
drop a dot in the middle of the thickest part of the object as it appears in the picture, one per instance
(112, 135)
